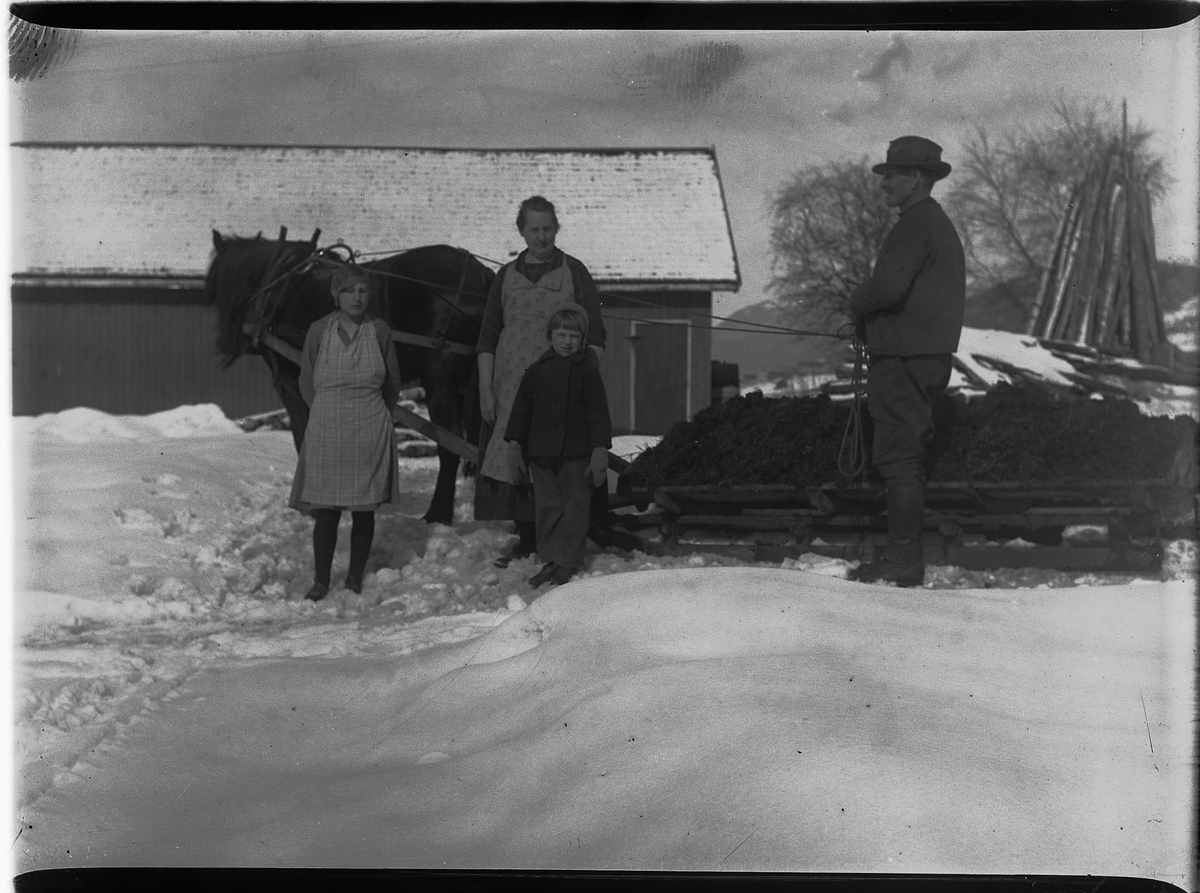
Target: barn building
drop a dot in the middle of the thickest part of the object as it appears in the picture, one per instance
(111, 243)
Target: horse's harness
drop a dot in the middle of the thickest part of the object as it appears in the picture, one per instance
(267, 301)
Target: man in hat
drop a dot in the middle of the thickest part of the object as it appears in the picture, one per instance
(910, 315)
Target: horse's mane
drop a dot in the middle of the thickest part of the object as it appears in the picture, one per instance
(210, 277)
(236, 252)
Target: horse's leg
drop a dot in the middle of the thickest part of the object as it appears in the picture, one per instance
(297, 409)
(441, 507)
(442, 399)
(287, 385)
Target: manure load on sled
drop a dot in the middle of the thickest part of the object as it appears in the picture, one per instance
(1019, 465)
(1012, 433)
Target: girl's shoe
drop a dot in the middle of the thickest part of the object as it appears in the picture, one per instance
(317, 592)
(354, 584)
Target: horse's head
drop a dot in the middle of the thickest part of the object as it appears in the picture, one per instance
(239, 269)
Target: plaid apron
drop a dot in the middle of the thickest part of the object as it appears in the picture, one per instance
(348, 457)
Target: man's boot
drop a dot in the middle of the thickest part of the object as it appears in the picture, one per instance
(903, 560)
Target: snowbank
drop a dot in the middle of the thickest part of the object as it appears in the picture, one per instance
(716, 719)
(83, 425)
(179, 704)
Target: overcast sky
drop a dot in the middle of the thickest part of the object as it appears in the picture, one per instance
(770, 103)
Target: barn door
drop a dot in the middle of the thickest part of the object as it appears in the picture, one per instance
(661, 389)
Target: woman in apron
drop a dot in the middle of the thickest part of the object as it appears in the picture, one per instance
(513, 336)
(349, 378)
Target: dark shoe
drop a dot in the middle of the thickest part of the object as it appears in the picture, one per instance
(354, 584)
(562, 575)
(884, 571)
(317, 592)
(545, 575)
(512, 555)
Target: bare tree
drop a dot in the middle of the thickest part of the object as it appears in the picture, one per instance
(829, 223)
(1010, 194)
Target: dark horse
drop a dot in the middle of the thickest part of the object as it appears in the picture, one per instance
(434, 291)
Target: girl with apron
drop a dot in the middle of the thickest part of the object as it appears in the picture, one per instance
(347, 462)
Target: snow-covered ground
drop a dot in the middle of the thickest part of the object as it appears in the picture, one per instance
(987, 353)
(179, 704)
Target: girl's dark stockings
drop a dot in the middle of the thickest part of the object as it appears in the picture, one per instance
(324, 542)
(362, 533)
(325, 534)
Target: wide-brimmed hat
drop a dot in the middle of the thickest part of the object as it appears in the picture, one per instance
(914, 153)
(568, 307)
(344, 274)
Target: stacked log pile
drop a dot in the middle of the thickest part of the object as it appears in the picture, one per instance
(1101, 288)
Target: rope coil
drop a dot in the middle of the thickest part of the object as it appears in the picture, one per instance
(852, 454)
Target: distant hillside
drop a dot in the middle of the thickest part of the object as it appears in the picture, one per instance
(999, 307)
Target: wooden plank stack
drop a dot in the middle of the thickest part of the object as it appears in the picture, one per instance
(1101, 287)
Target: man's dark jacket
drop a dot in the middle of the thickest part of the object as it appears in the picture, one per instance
(913, 303)
(561, 409)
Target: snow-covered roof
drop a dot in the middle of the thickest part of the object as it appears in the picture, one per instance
(646, 216)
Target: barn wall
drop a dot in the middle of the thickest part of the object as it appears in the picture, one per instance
(620, 310)
(125, 351)
(143, 350)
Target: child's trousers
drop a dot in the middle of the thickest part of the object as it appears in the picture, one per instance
(562, 501)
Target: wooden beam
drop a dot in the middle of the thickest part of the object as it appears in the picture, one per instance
(438, 435)
(1105, 324)
(276, 344)
(1040, 318)
(433, 343)
(1064, 558)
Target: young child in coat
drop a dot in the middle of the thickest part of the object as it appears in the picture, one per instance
(561, 430)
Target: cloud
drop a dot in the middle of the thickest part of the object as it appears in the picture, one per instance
(897, 51)
(953, 63)
(842, 114)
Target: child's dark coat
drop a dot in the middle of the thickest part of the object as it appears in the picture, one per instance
(561, 409)
(559, 417)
